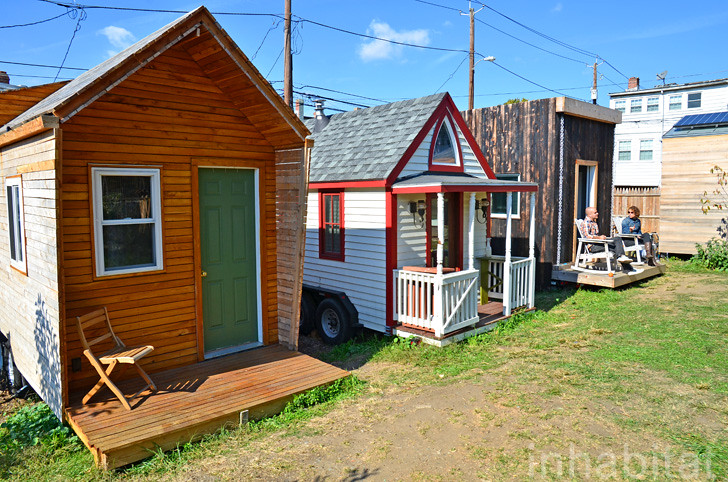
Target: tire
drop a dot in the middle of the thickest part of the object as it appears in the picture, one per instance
(332, 322)
(308, 312)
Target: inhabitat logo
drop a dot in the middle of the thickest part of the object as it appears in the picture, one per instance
(629, 464)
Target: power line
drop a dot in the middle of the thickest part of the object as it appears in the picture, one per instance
(42, 65)
(340, 92)
(438, 5)
(310, 95)
(34, 23)
(529, 81)
(81, 14)
(273, 27)
(453, 73)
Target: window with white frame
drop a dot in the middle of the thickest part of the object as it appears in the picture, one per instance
(620, 105)
(445, 151)
(653, 104)
(498, 200)
(694, 100)
(676, 102)
(646, 150)
(16, 228)
(625, 151)
(127, 220)
(635, 105)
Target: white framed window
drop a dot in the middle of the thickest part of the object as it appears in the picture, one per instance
(653, 104)
(646, 150)
(127, 220)
(620, 105)
(624, 151)
(635, 105)
(694, 100)
(16, 222)
(676, 102)
(445, 151)
(498, 200)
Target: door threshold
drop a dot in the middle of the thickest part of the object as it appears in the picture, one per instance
(231, 349)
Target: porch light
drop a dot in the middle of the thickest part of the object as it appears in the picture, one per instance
(417, 209)
(482, 206)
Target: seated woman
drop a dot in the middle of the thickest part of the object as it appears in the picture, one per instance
(632, 225)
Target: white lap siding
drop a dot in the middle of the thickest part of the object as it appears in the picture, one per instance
(480, 230)
(29, 304)
(411, 238)
(362, 276)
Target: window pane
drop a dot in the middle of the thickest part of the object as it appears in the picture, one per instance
(12, 201)
(636, 105)
(444, 152)
(675, 102)
(129, 246)
(335, 209)
(126, 197)
(332, 238)
(694, 100)
(327, 208)
(652, 104)
(625, 150)
(620, 105)
(646, 150)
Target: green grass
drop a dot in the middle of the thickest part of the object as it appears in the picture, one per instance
(648, 362)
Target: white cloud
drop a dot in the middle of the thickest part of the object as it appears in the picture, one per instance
(380, 50)
(118, 37)
(558, 7)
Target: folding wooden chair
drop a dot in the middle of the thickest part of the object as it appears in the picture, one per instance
(120, 353)
(584, 252)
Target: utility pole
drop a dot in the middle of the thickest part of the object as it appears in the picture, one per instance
(594, 85)
(471, 90)
(287, 57)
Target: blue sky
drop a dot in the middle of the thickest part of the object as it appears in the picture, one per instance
(636, 38)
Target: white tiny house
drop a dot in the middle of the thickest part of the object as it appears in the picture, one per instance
(398, 226)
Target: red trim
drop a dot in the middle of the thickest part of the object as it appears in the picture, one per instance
(469, 137)
(322, 194)
(391, 254)
(444, 167)
(461, 188)
(345, 184)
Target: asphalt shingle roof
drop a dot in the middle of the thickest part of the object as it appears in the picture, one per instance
(366, 144)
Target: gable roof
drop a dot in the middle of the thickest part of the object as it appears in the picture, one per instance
(367, 144)
(93, 83)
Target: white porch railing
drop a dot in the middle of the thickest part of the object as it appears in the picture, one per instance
(522, 281)
(441, 304)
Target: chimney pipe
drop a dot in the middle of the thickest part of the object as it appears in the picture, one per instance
(4, 77)
(321, 120)
(634, 83)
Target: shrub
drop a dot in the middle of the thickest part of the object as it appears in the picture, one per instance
(713, 255)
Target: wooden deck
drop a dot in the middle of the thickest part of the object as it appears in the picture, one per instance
(193, 401)
(489, 313)
(564, 272)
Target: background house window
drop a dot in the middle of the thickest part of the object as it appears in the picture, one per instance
(635, 105)
(625, 151)
(498, 200)
(646, 150)
(653, 104)
(16, 229)
(694, 100)
(127, 220)
(620, 105)
(676, 102)
(331, 225)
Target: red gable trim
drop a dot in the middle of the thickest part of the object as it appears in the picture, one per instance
(469, 137)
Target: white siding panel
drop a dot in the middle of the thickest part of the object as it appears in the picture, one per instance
(411, 240)
(419, 161)
(29, 304)
(480, 231)
(470, 162)
(362, 276)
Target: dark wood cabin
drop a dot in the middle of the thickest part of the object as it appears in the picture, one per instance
(564, 145)
(167, 184)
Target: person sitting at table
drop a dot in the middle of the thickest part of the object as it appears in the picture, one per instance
(632, 225)
(590, 229)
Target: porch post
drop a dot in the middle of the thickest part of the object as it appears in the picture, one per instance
(471, 233)
(507, 263)
(439, 320)
(532, 251)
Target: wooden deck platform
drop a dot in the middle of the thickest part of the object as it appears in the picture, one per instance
(564, 272)
(193, 401)
(489, 313)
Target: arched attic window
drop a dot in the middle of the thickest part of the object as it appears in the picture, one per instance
(445, 152)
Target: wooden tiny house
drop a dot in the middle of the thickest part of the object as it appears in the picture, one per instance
(168, 185)
(567, 147)
(377, 254)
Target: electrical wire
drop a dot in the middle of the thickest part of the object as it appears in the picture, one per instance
(275, 25)
(41, 65)
(340, 92)
(34, 23)
(438, 5)
(310, 95)
(453, 74)
(81, 15)
(528, 80)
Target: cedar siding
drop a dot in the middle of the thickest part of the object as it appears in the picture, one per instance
(169, 115)
(29, 304)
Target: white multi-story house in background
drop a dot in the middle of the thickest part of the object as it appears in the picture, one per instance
(647, 114)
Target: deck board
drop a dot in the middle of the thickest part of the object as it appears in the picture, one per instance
(601, 278)
(193, 401)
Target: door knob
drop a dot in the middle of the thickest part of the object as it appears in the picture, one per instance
(204, 274)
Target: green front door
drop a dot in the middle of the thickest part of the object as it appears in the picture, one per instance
(229, 255)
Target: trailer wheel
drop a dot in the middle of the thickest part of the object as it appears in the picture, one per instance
(332, 322)
(308, 312)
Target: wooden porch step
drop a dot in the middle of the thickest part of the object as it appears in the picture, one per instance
(195, 400)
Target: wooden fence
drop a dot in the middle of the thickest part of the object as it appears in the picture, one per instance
(647, 199)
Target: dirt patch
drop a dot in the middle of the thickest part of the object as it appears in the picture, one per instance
(10, 404)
